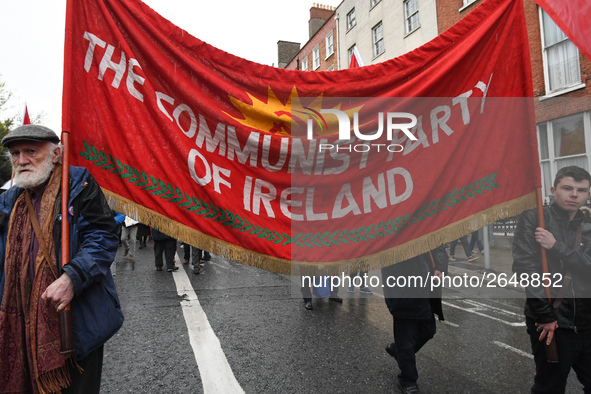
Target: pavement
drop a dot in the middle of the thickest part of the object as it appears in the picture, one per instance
(182, 331)
(490, 276)
(500, 261)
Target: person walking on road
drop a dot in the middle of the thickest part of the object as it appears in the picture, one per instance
(129, 236)
(167, 245)
(363, 289)
(320, 285)
(567, 318)
(143, 232)
(199, 257)
(35, 287)
(186, 252)
(465, 245)
(413, 309)
(475, 242)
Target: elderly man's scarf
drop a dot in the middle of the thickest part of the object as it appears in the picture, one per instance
(30, 344)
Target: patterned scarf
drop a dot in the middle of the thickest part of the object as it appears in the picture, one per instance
(30, 340)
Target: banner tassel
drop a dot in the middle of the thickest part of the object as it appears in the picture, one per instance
(282, 266)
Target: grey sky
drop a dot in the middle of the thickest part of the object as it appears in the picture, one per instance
(32, 40)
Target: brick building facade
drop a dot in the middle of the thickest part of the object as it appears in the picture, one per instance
(320, 52)
(561, 77)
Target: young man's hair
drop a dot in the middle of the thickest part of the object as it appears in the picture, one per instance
(577, 173)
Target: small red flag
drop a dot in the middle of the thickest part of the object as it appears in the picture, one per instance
(26, 119)
(355, 59)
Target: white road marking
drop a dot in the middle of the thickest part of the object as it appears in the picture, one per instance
(505, 304)
(216, 373)
(447, 322)
(484, 306)
(513, 349)
(476, 311)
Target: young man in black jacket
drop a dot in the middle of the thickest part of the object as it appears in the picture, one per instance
(567, 318)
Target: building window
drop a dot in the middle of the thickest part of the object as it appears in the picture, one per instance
(331, 68)
(562, 143)
(468, 2)
(373, 3)
(305, 64)
(350, 54)
(561, 57)
(411, 15)
(329, 45)
(316, 57)
(351, 21)
(377, 34)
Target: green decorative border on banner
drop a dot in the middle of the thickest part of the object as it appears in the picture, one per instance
(393, 226)
(175, 195)
(225, 217)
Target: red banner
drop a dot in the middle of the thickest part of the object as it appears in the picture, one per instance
(572, 17)
(270, 166)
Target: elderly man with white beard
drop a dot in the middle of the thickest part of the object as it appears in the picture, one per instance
(35, 287)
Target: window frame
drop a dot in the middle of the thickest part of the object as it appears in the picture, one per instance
(375, 43)
(350, 54)
(316, 57)
(408, 18)
(552, 162)
(466, 4)
(549, 90)
(331, 46)
(351, 19)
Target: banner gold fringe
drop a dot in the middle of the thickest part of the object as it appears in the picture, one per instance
(282, 266)
(194, 237)
(422, 244)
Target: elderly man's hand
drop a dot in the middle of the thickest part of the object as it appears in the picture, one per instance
(59, 292)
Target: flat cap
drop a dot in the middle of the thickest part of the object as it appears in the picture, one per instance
(30, 132)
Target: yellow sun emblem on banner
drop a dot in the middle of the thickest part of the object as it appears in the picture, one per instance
(289, 119)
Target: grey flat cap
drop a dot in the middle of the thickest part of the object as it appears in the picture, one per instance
(30, 132)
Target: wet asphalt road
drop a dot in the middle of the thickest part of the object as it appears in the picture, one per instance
(273, 345)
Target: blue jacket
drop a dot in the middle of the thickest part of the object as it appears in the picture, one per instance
(96, 311)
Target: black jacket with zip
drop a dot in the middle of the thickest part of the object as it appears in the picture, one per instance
(574, 311)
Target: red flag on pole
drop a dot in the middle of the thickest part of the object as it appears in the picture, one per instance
(355, 59)
(573, 19)
(26, 119)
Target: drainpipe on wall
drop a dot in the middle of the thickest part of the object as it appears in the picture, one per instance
(338, 43)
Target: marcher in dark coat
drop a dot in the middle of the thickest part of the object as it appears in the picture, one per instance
(567, 319)
(143, 232)
(167, 245)
(412, 307)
